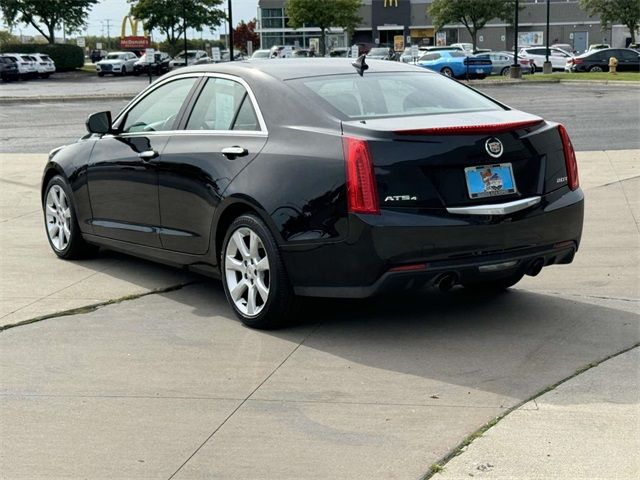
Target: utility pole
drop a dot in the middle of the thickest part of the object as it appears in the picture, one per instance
(230, 33)
(515, 71)
(546, 68)
(108, 22)
(184, 28)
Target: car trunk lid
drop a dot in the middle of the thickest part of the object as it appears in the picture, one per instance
(461, 159)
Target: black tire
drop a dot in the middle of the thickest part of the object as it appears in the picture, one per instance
(505, 72)
(76, 247)
(495, 286)
(45, 75)
(281, 302)
(596, 69)
(447, 72)
(100, 74)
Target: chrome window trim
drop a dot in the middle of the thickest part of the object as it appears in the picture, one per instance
(263, 126)
(497, 208)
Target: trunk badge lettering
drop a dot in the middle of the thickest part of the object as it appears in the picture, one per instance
(400, 198)
(494, 147)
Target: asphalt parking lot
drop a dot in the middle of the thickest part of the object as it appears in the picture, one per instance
(37, 127)
(116, 367)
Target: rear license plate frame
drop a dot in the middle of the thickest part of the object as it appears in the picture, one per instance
(497, 185)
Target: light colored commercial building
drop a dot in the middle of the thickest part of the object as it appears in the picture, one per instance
(385, 20)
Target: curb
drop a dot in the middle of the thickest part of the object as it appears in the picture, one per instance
(68, 98)
(609, 83)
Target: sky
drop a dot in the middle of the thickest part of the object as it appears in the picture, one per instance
(115, 10)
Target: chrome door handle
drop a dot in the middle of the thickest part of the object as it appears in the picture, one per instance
(148, 155)
(233, 152)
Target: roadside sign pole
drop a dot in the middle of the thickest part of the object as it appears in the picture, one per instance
(515, 71)
(184, 27)
(546, 68)
(230, 33)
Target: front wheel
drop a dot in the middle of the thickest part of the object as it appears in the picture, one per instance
(61, 222)
(447, 71)
(506, 71)
(596, 68)
(253, 274)
(494, 286)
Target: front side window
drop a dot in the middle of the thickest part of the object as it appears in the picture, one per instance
(159, 110)
(223, 105)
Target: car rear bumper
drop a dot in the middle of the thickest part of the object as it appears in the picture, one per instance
(401, 250)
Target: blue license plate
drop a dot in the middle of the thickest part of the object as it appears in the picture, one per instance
(490, 180)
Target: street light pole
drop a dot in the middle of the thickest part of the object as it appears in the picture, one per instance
(515, 71)
(184, 28)
(546, 68)
(230, 32)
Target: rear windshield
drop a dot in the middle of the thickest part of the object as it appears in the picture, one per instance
(394, 94)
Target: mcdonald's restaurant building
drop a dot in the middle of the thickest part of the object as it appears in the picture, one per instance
(385, 20)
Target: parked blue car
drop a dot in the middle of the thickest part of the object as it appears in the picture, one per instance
(454, 63)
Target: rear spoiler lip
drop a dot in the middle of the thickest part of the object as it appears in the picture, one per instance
(483, 129)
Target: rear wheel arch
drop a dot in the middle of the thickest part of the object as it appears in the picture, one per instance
(229, 213)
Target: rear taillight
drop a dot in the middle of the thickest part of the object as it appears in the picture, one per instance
(569, 159)
(577, 61)
(362, 194)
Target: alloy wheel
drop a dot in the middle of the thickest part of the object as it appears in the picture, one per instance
(247, 272)
(58, 216)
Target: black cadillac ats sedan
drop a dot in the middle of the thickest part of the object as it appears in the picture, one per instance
(301, 178)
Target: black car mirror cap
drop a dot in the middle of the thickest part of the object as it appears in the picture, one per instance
(99, 122)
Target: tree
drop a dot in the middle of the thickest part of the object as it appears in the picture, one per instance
(8, 37)
(49, 15)
(246, 32)
(626, 12)
(167, 16)
(324, 14)
(473, 14)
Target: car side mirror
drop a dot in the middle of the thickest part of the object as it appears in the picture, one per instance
(99, 122)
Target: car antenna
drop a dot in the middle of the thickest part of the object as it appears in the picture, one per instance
(360, 64)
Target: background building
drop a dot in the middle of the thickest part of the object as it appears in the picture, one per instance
(383, 20)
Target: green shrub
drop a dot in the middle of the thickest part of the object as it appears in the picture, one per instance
(66, 57)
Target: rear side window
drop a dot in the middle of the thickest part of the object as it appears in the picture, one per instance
(457, 54)
(394, 94)
(223, 105)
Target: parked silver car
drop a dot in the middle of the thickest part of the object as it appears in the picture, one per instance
(557, 57)
(502, 62)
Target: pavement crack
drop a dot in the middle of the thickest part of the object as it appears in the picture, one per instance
(439, 465)
(228, 417)
(95, 306)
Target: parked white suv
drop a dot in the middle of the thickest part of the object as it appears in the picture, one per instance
(26, 64)
(557, 57)
(44, 64)
(193, 57)
(118, 63)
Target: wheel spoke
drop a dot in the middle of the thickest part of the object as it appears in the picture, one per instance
(66, 213)
(238, 239)
(67, 232)
(263, 265)
(254, 242)
(51, 210)
(233, 264)
(237, 291)
(251, 300)
(262, 290)
(53, 230)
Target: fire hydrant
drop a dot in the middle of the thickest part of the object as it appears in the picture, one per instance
(613, 65)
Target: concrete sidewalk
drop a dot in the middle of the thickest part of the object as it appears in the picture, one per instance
(172, 385)
(588, 428)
